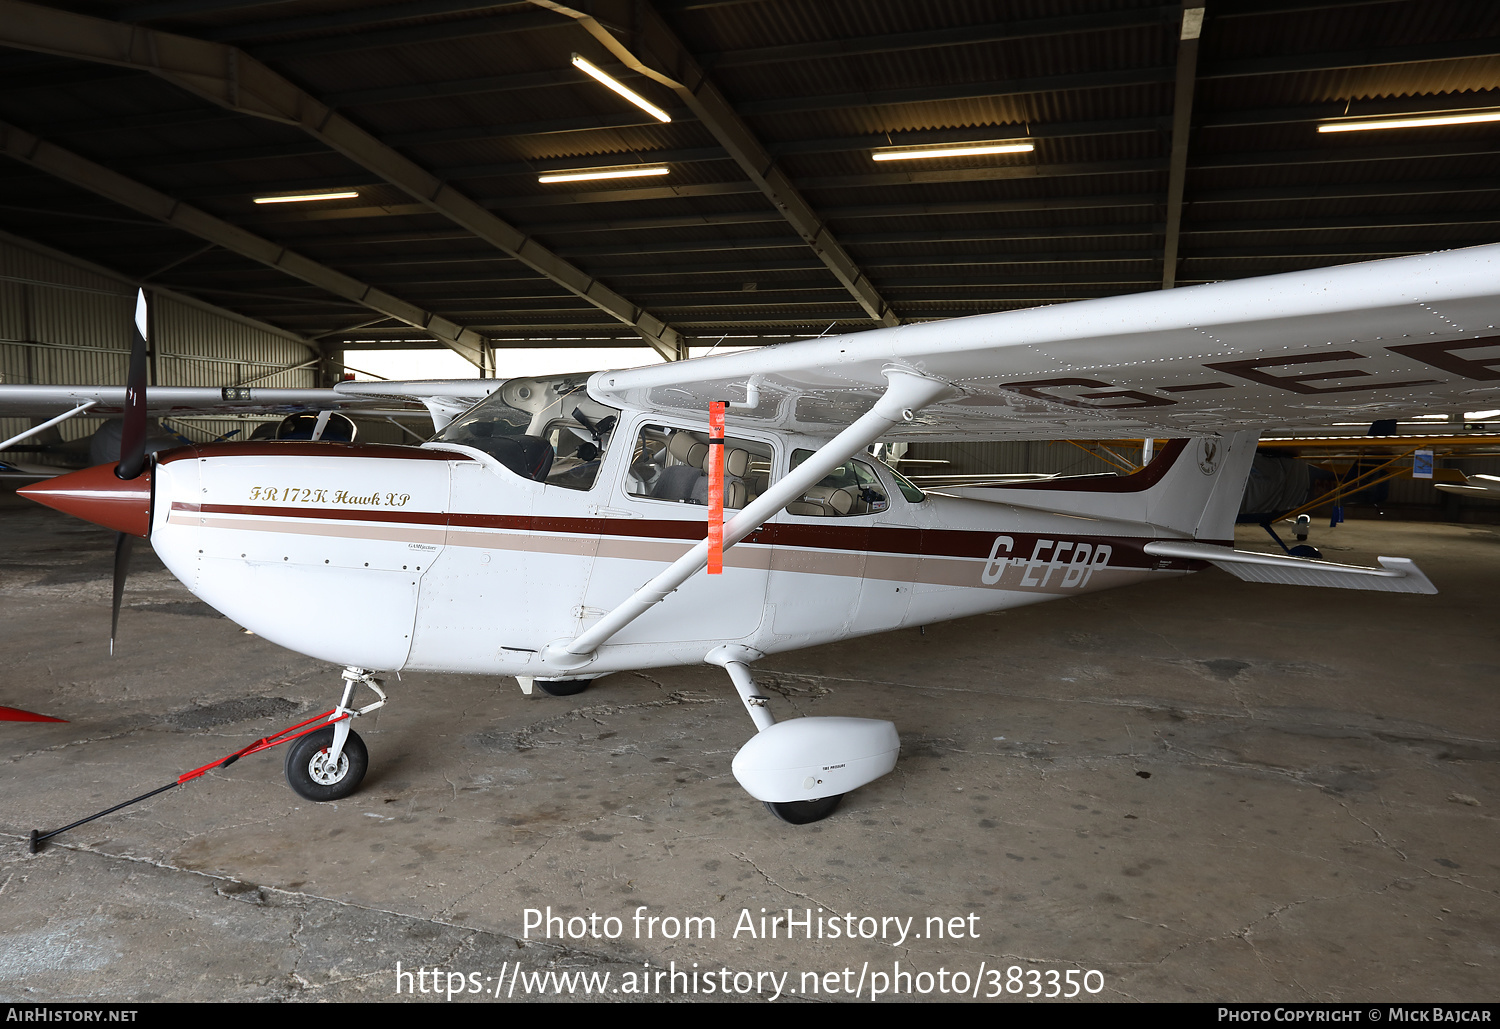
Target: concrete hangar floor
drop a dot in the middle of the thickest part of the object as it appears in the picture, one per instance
(1198, 790)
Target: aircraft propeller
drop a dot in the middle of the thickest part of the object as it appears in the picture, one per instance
(132, 450)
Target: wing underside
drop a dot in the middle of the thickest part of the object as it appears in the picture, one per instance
(1353, 343)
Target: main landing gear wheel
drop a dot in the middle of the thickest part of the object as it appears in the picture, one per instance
(804, 812)
(563, 687)
(313, 777)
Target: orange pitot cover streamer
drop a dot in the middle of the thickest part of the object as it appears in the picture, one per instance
(716, 488)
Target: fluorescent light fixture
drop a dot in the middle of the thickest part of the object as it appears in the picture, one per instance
(1474, 118)
(1479, 416)
(956, 150)
(1192, 22)
(611, 173)
(304, 197)
(586, 66)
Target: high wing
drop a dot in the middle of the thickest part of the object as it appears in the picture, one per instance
(441, 399)
(1357, 343)
(445, 399)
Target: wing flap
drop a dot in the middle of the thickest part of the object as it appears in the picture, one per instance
(1396, 574)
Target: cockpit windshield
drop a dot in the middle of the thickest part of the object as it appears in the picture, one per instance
(546, 429)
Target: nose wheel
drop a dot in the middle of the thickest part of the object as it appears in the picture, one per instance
(329, 764)
(315, 774)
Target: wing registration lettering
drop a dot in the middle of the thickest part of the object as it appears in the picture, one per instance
(1301, 382)
(1442, 355)
(1124, 397)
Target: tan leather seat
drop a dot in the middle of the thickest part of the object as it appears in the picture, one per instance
(680, 479)
(824, 502)
(736, 462)
(685, 448)
(736, 489)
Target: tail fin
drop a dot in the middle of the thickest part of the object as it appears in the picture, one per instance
(1192, 489)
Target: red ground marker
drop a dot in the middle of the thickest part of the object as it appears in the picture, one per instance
(15, 714)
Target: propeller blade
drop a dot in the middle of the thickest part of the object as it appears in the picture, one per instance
(123, 545)
(133, 428)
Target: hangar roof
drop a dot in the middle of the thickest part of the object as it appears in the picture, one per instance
(140, 133)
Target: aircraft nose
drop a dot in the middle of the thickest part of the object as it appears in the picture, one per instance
(98, 495)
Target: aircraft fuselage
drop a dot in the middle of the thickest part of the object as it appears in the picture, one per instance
(441, 558)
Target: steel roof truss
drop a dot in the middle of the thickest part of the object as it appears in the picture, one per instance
(703, 98)
(233, 79)
(54, 160)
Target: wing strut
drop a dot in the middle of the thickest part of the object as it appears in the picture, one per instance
(49, 423)
(906, 393)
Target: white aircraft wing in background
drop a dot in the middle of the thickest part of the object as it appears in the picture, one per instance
(439, 399)
(18, 400)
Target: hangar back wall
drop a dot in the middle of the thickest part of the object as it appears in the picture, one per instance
(64, 321)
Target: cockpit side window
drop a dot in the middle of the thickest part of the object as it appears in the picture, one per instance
(578, 444)
(547, 430)
(672, 464)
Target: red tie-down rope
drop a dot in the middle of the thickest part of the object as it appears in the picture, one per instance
(716, 487)
(264, 743)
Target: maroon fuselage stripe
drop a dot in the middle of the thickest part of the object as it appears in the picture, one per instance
(908, 542)
(1135, 482)
(307, 448)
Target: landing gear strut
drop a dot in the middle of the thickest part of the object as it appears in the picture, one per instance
(734, 659)
(330, 764)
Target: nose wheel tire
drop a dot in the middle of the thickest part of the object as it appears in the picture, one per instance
(563, 687)
(804, 812)
(312, 776)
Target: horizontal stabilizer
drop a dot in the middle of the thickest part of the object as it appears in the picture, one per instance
(1397, 574)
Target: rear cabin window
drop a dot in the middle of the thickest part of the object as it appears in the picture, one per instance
(851, 489)
(672, 464)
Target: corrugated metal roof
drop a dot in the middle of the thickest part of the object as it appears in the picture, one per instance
(483, 97)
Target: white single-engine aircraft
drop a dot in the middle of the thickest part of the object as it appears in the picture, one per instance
(555, 530)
